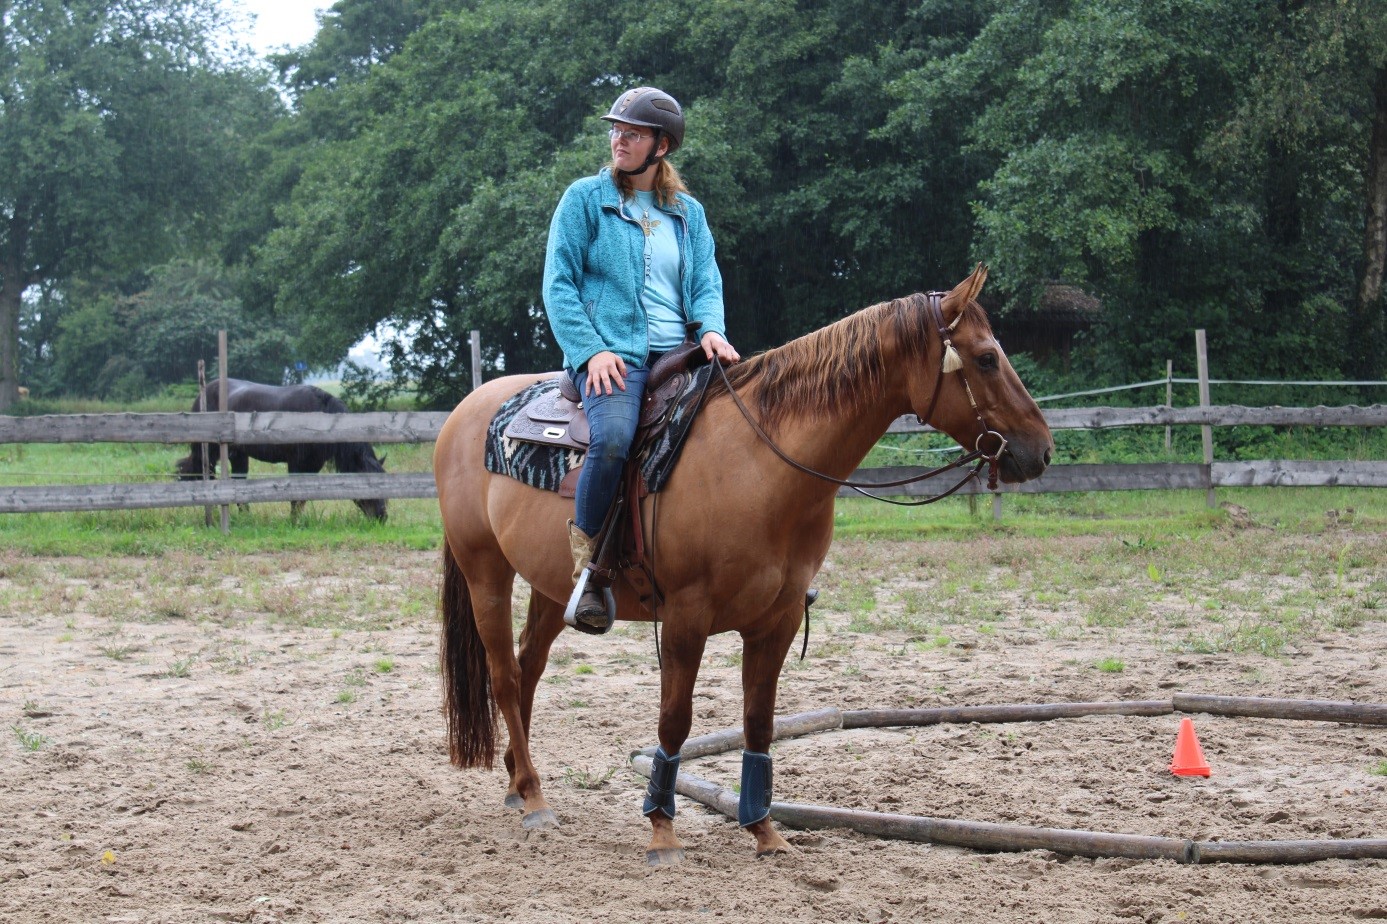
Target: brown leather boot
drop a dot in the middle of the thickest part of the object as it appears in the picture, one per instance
(592, 607)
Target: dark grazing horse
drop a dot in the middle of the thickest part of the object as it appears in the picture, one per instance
(302, 458)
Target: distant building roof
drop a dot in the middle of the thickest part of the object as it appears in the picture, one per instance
(1065, 304)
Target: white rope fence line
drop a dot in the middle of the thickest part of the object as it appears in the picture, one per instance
(1182, 381)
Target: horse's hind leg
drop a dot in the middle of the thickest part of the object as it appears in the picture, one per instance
(240, 468)
(762, 658)
(543, 624)
(491, 601)
(300, 467)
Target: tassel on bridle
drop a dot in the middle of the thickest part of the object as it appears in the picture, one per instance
(952, 361)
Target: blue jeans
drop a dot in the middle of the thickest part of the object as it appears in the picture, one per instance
(612, 420)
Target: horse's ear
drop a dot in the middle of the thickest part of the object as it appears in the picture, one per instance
(963, 293)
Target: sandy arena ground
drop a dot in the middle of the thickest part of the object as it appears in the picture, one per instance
(263, 744)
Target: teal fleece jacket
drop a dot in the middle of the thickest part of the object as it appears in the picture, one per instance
(594, 271)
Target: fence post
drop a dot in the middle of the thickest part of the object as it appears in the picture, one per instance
(1169, 390)
(206, 461)
(225, 465)
(476, 359)
(1206, 432)
(997, 507)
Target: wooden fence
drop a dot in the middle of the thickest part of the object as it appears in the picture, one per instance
(422, 427)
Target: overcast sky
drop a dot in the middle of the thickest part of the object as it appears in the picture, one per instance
(277, 22)
(289, 22)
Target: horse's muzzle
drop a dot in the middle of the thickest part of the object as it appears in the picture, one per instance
(1023, 463)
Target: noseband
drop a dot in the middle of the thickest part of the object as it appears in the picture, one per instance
(948, 361)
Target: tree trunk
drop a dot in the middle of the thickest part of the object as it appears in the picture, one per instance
(11, 295)
(1368, 312)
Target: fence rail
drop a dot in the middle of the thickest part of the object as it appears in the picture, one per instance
(421, 427)
(279, 427)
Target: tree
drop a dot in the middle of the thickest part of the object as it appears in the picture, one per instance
(124, 347)
(1158, 153)
(432, 210)
(1318, 96)
(119, 131)
(353, 36)
(1195, 164)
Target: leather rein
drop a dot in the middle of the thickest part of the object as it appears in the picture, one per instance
(981, 455)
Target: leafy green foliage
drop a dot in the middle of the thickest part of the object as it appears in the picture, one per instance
(118, 130)
(1189, 164)
(127, 348)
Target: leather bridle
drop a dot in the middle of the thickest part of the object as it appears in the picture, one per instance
(934, 315)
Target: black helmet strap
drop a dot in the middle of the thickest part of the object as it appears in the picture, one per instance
(650, 158)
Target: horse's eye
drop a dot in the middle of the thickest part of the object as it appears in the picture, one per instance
(987, 361)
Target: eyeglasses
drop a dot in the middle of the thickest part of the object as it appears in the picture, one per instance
(633, 137)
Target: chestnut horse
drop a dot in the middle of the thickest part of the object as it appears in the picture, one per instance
(739, 536)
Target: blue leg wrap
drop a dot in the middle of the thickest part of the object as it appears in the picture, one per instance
(755, 802)
(659, 795)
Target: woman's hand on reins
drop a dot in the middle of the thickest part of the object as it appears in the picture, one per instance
(714, 345)
(605, 369)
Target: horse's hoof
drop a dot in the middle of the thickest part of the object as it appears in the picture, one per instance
(777, 850)
(541, 820)
(515, 801)
(665, 856)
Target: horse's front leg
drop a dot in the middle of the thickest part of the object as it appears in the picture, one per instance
(543, 624)
(762, 657)
(681, 650)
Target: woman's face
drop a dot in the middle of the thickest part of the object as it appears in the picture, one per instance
(629, 154)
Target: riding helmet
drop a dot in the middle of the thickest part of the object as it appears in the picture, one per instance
(650, 108)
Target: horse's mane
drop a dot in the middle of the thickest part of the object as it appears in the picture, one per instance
(327, 403)
(838, 368)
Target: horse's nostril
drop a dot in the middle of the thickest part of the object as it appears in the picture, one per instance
(1047, 455)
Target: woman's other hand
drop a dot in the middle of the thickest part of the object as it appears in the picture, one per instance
(605, 369)
(714, 345)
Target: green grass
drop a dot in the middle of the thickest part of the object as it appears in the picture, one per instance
(29, 741)
(587, 779)
(1147, 444)
(324, 525)
(1191, 579)
(1137, 516)
(1140, 517)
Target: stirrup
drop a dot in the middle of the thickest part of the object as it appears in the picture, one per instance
(570, 613)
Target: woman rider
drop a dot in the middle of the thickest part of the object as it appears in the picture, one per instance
(629, 262)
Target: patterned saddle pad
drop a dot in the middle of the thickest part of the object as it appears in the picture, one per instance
(544, 467)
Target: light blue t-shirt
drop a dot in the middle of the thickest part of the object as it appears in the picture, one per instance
(660, 295)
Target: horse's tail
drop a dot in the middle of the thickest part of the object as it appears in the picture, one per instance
(469, 709)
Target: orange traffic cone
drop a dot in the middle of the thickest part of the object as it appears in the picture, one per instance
(1189, 756)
